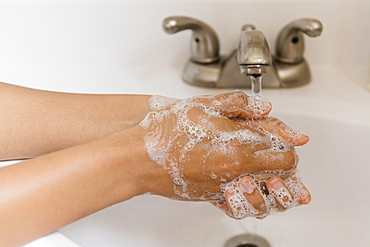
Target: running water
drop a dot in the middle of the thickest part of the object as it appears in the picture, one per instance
(256, 81)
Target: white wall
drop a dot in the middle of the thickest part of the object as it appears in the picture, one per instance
(123, 33)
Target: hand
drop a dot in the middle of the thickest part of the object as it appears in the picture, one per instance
(202, 149)
(249, 197)
(259, 199)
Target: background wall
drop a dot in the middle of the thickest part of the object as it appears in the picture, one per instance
(129, 33)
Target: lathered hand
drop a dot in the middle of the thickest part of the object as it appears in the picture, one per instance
(248, 197)
(202, 148)
(255, 198)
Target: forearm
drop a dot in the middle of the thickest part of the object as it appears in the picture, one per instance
(39, 196)
(35, 122)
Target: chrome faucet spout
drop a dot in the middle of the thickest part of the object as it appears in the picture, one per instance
(254, 56)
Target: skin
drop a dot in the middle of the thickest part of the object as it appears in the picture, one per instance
(36, 122)
(90, 154)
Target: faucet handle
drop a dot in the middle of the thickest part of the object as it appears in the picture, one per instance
(290, 42)
(204, 45)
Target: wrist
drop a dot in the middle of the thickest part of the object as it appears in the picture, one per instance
(129, 110)
(128, 162)
(116, 112)
(135, 171)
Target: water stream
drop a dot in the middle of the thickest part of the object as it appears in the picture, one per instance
(256, 81)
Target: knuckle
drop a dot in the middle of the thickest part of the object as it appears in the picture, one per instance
(289, 160)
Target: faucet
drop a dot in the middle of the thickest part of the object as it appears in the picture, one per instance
(252, 56)
(253, 53)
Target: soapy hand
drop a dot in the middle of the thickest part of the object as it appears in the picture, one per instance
(259, 198)
(211, 145)
(253, 198)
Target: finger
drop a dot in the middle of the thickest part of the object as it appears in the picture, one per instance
(283, 197)
(216, 123)
(280, 130)
(234, 203)
(274, 161)
(238, 104)
(299, 190)
(252, 194)
(238, 204)
(304, 196)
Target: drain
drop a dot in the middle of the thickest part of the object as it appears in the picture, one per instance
(247, 240)
(247, 245)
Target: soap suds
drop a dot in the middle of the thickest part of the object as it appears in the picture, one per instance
(172, 136)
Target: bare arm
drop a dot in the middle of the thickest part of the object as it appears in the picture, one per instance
(35, 122)
(40, 195)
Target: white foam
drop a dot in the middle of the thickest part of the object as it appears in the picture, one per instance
(258, 105)
(240, 206)
(158, 102)
(169, 128)
(283, 196)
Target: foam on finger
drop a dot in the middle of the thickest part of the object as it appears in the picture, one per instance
(239, 205)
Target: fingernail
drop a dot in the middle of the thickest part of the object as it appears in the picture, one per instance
(276, 184)
(305, 201)
(303, 137)
(304, 197)
(248, 185)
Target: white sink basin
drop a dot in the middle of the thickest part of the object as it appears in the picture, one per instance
(334, 166)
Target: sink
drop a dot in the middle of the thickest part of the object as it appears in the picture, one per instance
(89, 48)
(334, 166)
